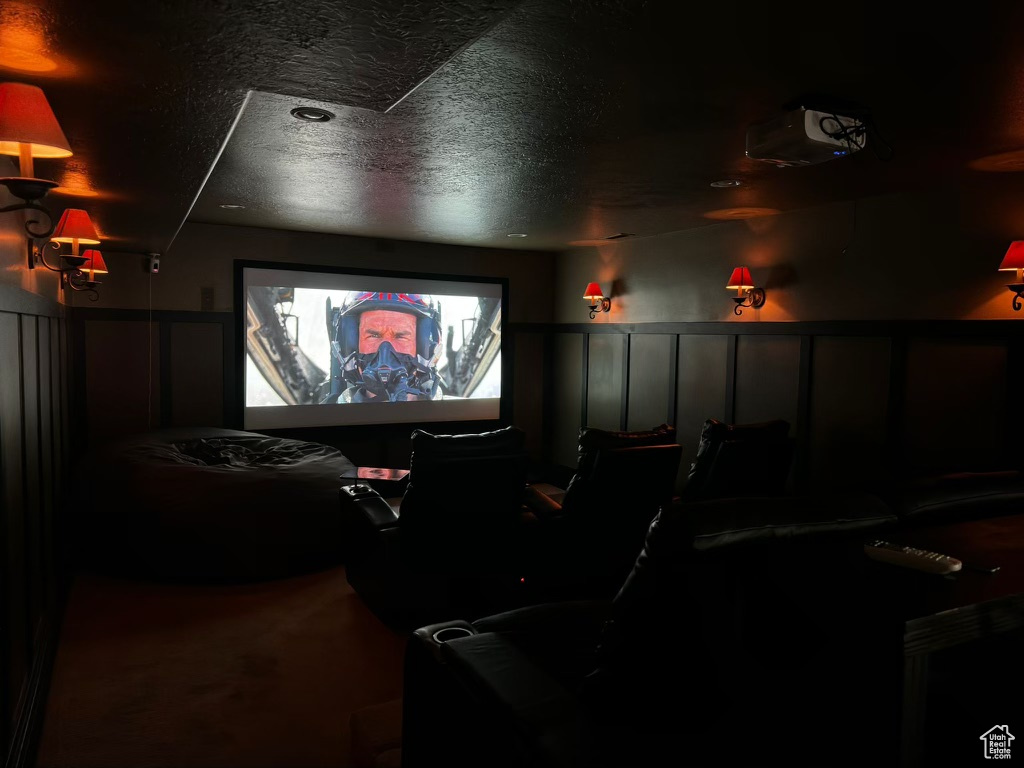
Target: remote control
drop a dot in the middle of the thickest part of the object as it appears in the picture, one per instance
(921, 559)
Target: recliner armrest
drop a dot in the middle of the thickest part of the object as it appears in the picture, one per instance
(369, 507)
(540, 503)
(566, 617)
(728, 522)
(546, 721)
(379, 513)
(958, 496)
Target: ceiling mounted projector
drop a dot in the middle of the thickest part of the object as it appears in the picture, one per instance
(804, 137)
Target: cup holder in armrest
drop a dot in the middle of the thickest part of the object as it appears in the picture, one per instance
(445, 634)
(432, 637)
(358, 490)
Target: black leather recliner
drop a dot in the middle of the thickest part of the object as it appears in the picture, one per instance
(455, 535)
(743, 634)
(464, 542)
(586, 541)
(741, 460)
(462, 512)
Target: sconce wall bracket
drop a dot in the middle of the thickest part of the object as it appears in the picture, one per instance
(1018, 294)
(605, 305)
(30, 191)
(753, 297)
(71, 274)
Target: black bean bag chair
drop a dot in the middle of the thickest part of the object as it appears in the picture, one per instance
(211, 504)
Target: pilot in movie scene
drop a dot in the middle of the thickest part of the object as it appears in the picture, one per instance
(325, 347)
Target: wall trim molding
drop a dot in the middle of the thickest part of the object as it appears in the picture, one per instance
(162, 315)
(22, 302)
(918, 328)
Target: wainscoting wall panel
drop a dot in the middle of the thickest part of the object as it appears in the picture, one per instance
(14, 636)
(121, 397)
(567, 392)
(63, 438)
(767, 379)
(848, 409)
(529, 387)
(196, 353)
(866, 400)
(701, 392)
(955, 403)
(606, 378)
(32, 472)
(47, 452)
(34, 453)
(651, 381)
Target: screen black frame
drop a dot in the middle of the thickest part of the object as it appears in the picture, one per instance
(361, 431)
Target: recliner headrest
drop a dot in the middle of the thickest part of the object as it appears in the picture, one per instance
(741, 460)
(427, 446)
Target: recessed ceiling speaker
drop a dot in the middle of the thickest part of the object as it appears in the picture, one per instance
(312, 114)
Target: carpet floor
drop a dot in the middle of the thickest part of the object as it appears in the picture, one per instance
(263, 675)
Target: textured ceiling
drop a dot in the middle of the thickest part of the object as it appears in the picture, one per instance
(147, 91)
(462, 122)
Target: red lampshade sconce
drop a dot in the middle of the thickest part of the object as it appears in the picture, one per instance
(747, 295)
(76, 228)
(1013, 261)
(28, 129)
(94, 265)
(596, 299)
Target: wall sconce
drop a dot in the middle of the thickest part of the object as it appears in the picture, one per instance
(1013, 261)
(94, 265)
(75, 227)
(746, 294)
(28, 129)
(597, 300)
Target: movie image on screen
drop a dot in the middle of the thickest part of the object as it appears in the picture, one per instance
(331, 348)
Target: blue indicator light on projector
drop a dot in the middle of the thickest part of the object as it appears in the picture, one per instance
(839, 152)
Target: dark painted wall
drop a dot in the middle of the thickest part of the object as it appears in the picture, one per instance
(869, 343)
(34, 465)
(914, 256)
